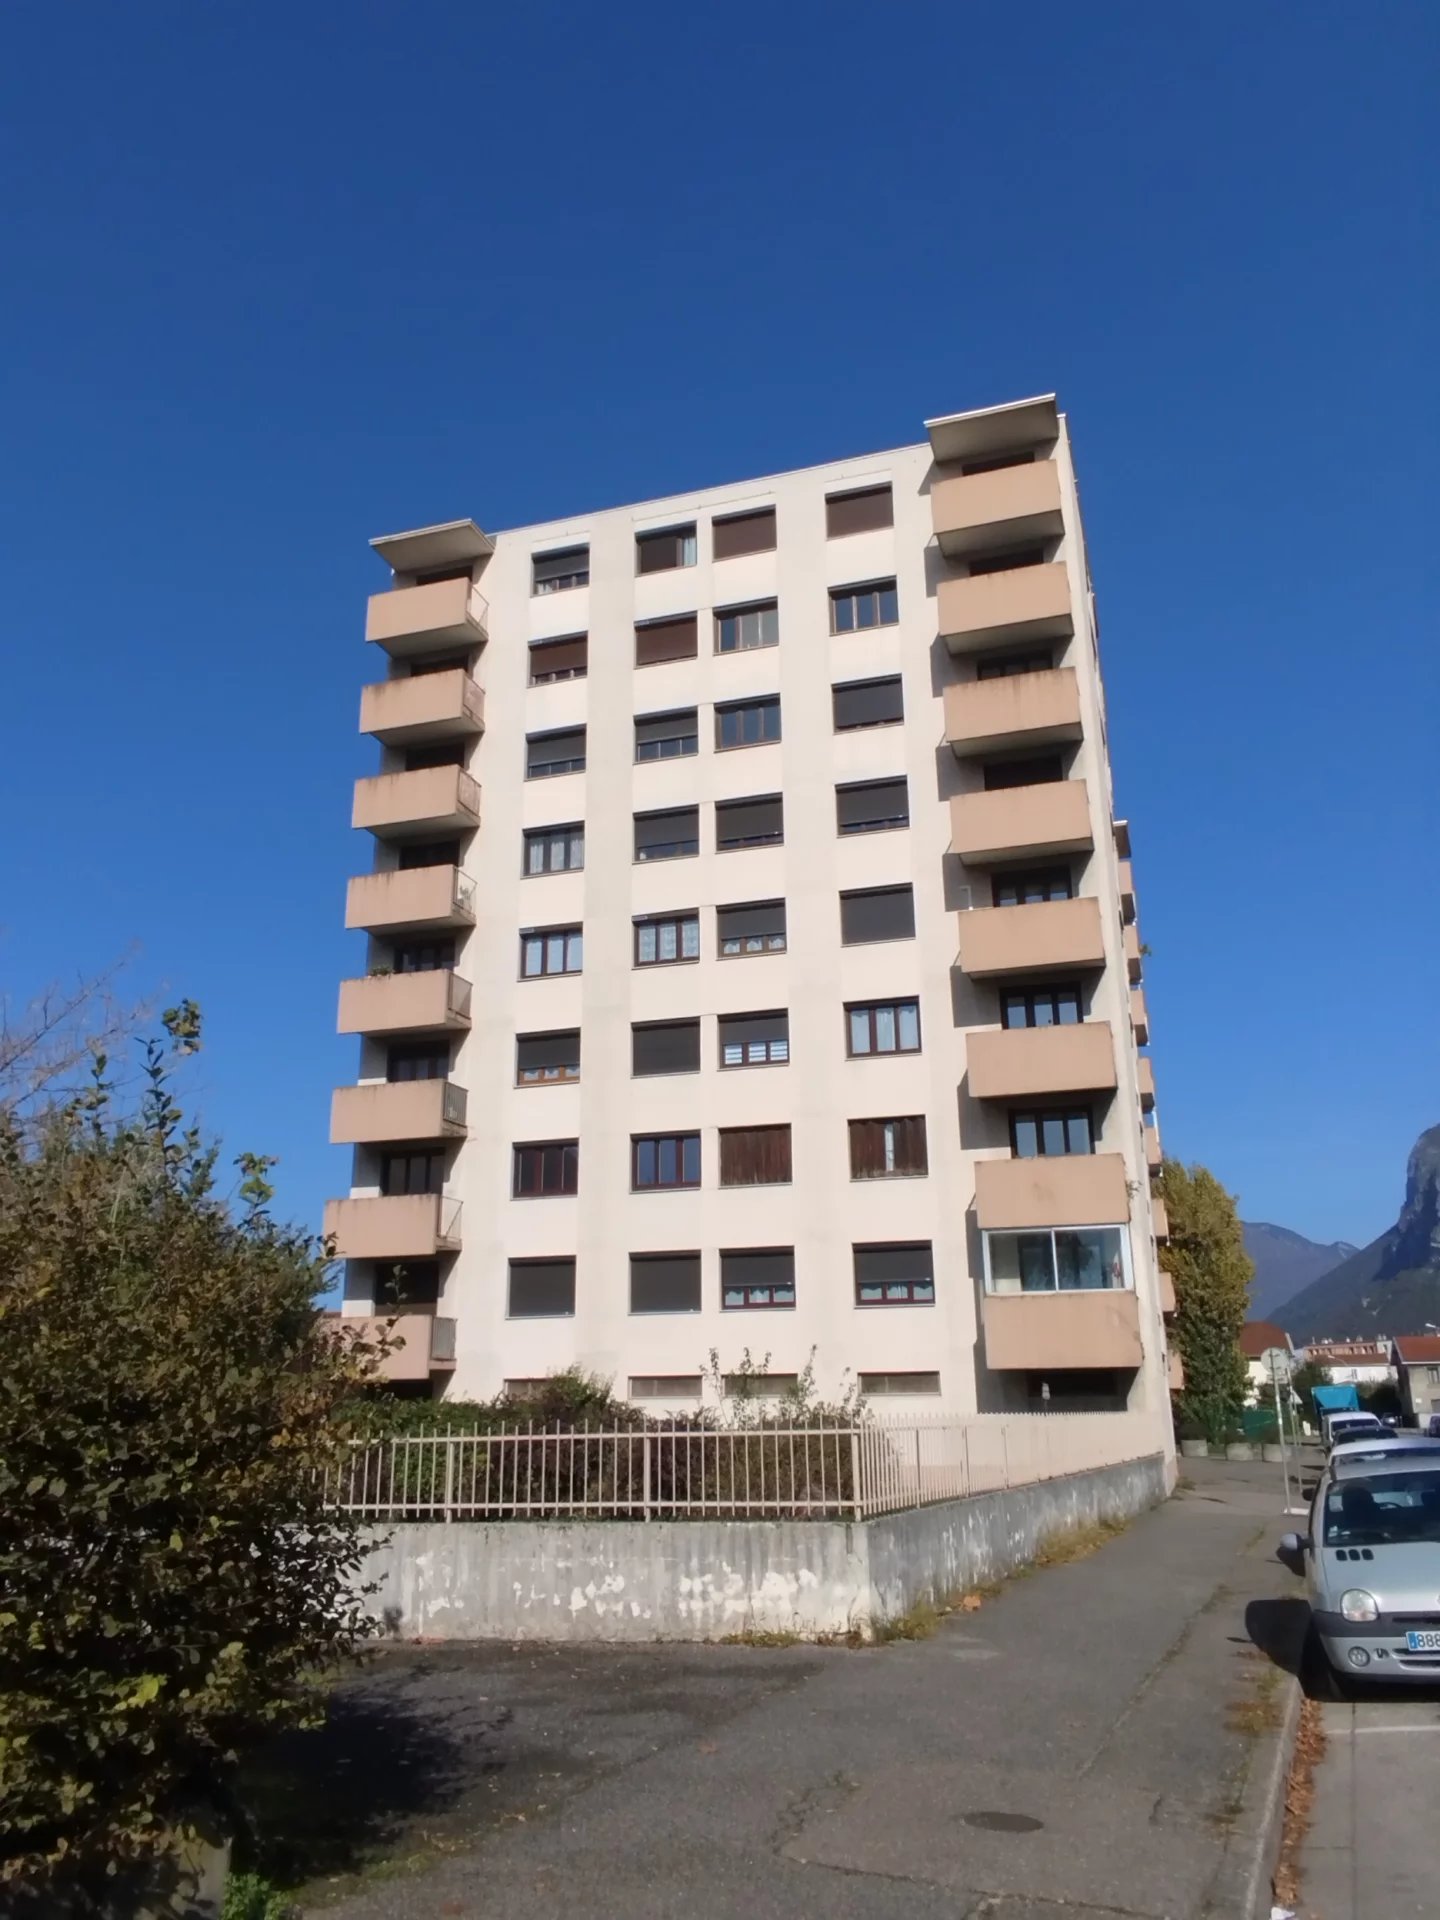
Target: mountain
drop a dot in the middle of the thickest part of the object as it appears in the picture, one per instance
(1285, 1262)
(1393, 1285)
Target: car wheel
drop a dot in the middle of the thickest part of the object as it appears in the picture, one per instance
(1321, 1680)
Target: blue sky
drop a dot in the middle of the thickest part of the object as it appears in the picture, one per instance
(279, 278)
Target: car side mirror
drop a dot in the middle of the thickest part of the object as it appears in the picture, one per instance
(1292, 1551)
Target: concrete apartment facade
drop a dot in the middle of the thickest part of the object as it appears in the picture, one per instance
(752, 953)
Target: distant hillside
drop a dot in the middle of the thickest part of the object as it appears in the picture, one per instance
(1285, 1262)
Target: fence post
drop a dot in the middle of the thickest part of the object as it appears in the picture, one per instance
(917, 1467)
(855, 1472)
(645, 1473)
(449, 1478)
(1005, 1453)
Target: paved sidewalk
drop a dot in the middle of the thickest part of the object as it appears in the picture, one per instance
(1373, 1848)
(1088, 1737)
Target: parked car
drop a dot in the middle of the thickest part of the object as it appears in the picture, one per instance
(1350, 1426)
(1357, 1455)
(1432, 1426)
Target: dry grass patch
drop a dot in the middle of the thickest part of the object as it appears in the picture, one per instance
(1066, 1544)
(1299, 1801)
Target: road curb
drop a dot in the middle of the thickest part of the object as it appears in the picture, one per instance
(1241, 1888)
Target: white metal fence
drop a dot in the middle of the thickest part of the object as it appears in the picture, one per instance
(814, 1470)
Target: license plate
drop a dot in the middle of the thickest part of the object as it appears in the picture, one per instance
(1422, 1642)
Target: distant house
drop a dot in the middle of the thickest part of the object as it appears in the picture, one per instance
(1417, 1360)
(1267, 1353)
(1359, 1363)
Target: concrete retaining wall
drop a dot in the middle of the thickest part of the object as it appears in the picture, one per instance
(702, 1579)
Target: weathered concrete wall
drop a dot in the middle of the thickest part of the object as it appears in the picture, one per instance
(702, 1579)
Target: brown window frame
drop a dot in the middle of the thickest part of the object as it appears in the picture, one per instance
(566, 581)
(1032, 879)
(749, 1292)
(1040, 1118)
(1041, 990)
(865, 596)
(895, 1291)
(555, 1164)
(753, 516)
(569, 643)
(680, 627)
(554, 769)
(653, 541)
(761, 1156)
(658, 1141)
(872, 1009)
(771, 1058)
(679, 921)
(844, 507)
(563, 1075)
(912, 1145)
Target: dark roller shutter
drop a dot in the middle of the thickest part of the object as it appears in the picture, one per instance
(758, 1267)
(912, 1262)
(667, 640)
(741, 533)
(667, 836)
(882, 913)
(858, 512)
(559, 656)
(541, 1287)
(536, 1051)
(868, 703)
(754, 1156)
(757, 920)
(683, 723)
(875, 804)
(664, 1283)
(668, 1046)
(740, 823)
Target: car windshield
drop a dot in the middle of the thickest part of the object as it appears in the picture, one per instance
(1384, 1509)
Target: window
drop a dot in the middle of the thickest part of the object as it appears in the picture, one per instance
(418, 667)
(886, 1026)
(429, 853)
(748, 723)
(754, 926)
(854, 608)
(895, 1274)
(557, 572)
(423, 956)
(1001, 666)
(552, 660)
(760, 1386)
(420, 1060)
(1005, 562)
(754, 1039)
(754, 1156)
(664, 1386)
(888, 1149)
(742, 629)
(758, 1277)
(739, 533)
(546, 1059)
(550, 753)
(440, 753)
(877, 913)
(407, 1283)
(1025, 889)
(664, 1160)
(665, 1046)
(1057, 1006)
(868, 703)
(669, 547)
(665, 1283)
(412, 1172)
(1037, 770)
(667, 736)
(872, 806)
(671, 835)
(542, 1289)
(550, 1167)
(883, 1383)
(664, 942)
(550, 950)
(1065, 1259)
(674, 639)
(749, 823)
(858, 512)
(1043, 1131)
(555, 849)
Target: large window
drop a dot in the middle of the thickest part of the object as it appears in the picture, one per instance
(545, 1168)
(415, 854)
(1007, 560)
(877, 913)
(436, 753)
(547, 1059)
(1042, 1131)
(868, 703)
(555, 849)
(551, 950)
(660, 1160)
(407, 1283)
(888, 1149)
(664, 1283)
(1062, 1259)
(547, 754)
(873, 806)
(895, 1274)
(749, 823)
(752, 926)
(418, 1060)
(737, 533)
(561, 570)
(852, 609)
(664, 942)
(874, 1385)
(664, 1046)
(667, 736)
(1035, 770)
(858, 512)
(417, 1172)
(884, 1026)
(670, 547)
(748, 723)
(424, 956)
(754, 1156)
(542, 1289)
(664, 1386)
(676, 638)
(552, 660)
(759, 1277)
(1040, 1006)
(671, 835)
(754, 1039)
(1003, 666)
(741, 629)
(1027, 888)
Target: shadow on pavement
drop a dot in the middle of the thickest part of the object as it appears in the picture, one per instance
(1278, 1629)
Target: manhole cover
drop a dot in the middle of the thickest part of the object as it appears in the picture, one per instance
(994, 1821)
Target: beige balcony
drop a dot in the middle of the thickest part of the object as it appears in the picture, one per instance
(430, 800)
(1016, 710)
(417, 897)
(1016, 1063)
(434, 1002)
(421, 1343)
(1134, 960)
(397, 1110)
(1040, 938)
(993, 609)
(1139, 1017)
(1017, 823)
(1147, 1082)
(1097, 1327)
(1154, 1154)
(423, 706)
(1052, 1190)
(1121, 831)
(1127, 891)
(977, 512)
(1175, 1370)
(1010, 428)
(1167, 1291)
(429, 619)
(1160, 1217)
(399, 1226)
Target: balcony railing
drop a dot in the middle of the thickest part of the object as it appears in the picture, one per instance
(413, 897)
(1039, 938)
(429, 800)
(1089, 1328)
(404, 1003)
(423, 706)
(397, 1110)
(992, 609)
(1020, 1063)
(976, 512)
(397, 1226)
(1017, 710)
(1052, 1190)
(410, 620)
(1019, 823)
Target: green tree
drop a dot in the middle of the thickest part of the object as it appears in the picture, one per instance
(172, 1582)
(1207, 1260)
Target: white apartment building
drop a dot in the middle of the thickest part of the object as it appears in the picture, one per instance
(752, 958)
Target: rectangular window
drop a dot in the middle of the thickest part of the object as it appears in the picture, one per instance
(551, 753)
(872, 1384)
(754, 926)
(1003, 666)
(424, 956)
(877, 913)
(664, 942)
(660, 552)
(1037, 1132)
(872, 806)
(429, 853)
(885, 1026)
(547, 1059)
(1007, 561)
(1037, 770)
(868, 703)
(412, 1173)
(665, 1283)
(561, 570)
(739, 533)
(754, 1039)
(667, 736)
(749, 823)
(418, 1060)
(671, 835)
(542, 1289)
(664, 1046)
(544, 1169)
(552, 660)
(555, 849)
(858, 512)
(442, 753)
(659, 640)
(743, 629)
(1065, 1259)
(852, 609)
(664, 1386)
(1042, 1006)
(748, 723)
(888, 1149)
(1025, 889)
(550, 950)
(754, 1156)
(895, 1274)
(759, 1277)
(659, 1160)
(407, 1283)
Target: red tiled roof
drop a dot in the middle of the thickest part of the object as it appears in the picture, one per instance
(1257, 1337)
(1339, 1352)
(1419, 1349)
